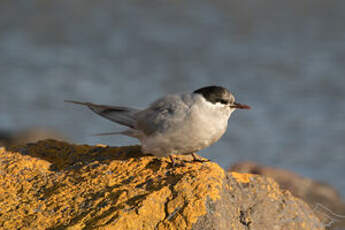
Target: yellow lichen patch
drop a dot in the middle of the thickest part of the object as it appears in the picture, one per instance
(102, 145)
(2, 150)
(56, 185)
(241, 177)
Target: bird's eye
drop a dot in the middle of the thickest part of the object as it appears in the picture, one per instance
(225, 102)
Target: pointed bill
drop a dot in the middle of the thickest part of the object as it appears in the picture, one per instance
(240, 106)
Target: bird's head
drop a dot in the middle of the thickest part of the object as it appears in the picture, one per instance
(220, 96)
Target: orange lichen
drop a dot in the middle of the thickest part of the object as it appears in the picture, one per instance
(242, 177)
(2, 149)
(54, 184)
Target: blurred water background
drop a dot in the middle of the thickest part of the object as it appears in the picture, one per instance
(284, 58)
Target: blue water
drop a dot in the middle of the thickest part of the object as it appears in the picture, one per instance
(285, 59)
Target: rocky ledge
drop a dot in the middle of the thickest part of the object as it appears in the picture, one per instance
(57, 185)
(325, 200)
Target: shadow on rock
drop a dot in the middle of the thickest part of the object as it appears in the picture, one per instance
(65, 156)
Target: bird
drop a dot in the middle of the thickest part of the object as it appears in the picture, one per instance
(176, 124)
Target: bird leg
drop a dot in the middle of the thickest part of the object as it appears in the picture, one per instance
(172, 160)
(174, 163)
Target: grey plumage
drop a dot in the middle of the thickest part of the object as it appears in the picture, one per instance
(175, 124)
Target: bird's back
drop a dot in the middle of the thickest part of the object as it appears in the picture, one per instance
(164, 114)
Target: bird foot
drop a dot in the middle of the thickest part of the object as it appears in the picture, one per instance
(196, 158)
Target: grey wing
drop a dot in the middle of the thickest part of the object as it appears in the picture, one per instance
(122, 115)
(161, 115)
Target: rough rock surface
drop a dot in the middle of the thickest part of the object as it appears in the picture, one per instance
(326, 201)
(34, 134)
(56, 185)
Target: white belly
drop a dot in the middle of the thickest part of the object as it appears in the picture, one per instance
(199, 130)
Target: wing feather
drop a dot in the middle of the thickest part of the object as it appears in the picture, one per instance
(122, 115)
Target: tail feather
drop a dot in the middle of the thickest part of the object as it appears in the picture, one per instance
(108, 134)
(122, 115)
(129, 132)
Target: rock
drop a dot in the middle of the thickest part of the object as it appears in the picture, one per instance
(56, 185)
(326, 201)
(33, 134)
